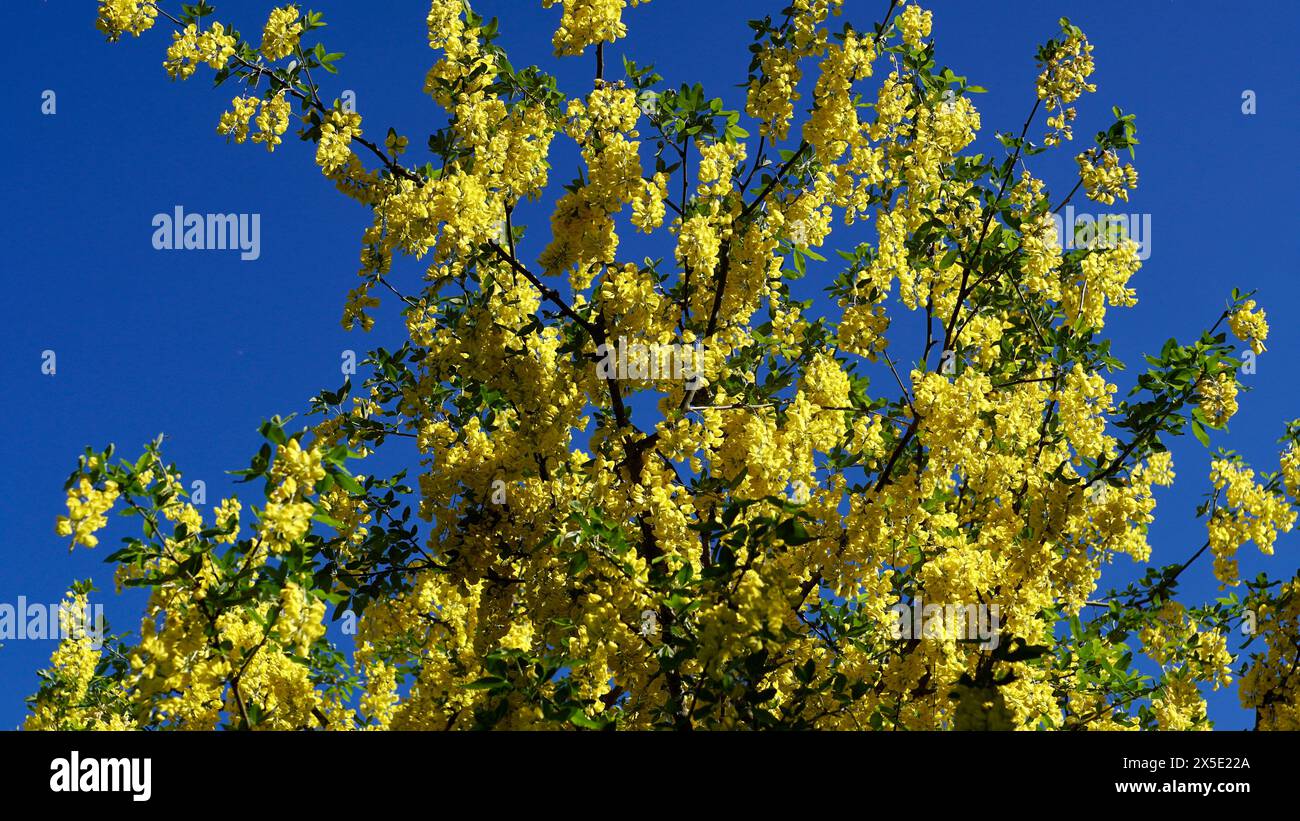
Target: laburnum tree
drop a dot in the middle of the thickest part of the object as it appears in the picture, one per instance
(581, 546)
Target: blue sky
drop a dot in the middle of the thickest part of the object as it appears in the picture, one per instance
(203, 346)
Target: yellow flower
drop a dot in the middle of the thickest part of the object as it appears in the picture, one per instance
(825, 383)
(1249, 325)
(698, 245)
(914, 23)
(234, 123)
(395, 144)
(1248, 511)
(280, 36)
(1063, 78)
(587, 22)
(772, 95)
(1217, 397)
(118, 17)
(1103, 178)
(86, 508)
(191, 47)
(1084, 403)
(336, 135)
(272, 121)
(227, 517)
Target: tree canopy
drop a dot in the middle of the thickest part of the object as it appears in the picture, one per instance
(665, 492)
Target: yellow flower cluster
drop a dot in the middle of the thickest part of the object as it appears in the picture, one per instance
(772, 96)
(648, 209)
(582, 225)
(191, 47)
(1042, 261)
(444, 22)
(259, 648)
(1250, 512)
(914, 23)
(588, 22)
(191, 667)
(1249, 325)
(287, 516)
(1173, 639)
(892, 99)
(336, 134)
(272, 121)
(862, 330)
(1103, 177)
(1217, 397)
(1179, 705)
(833, 126)
(70, 703)
(773, 92)
(631, 305)
(1268, 685)
(300, 622)
(1159, 469)
(379, 701)
(1290, 464)
(1084, 402)
(234, 123)
(981, 709)
(296, 469)
(1060, 123)
(118, 17)
(1119, 516)
(350, 512)
(809, 18)
(698, 245)
(825, 383)
(280, 36)
(1104, 276)
(1063, 78)
(354, 309)
(949, 409)
(718, 161)
(396, 144)
(1211, 656)
(464, 64)
(226, 517)
(284, 523)
(86, 508)
(818, 409)
(463, 206)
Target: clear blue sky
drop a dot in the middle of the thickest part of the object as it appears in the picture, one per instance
(204, 346)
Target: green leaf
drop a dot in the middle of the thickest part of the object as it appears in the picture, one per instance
(1199, 430)
(580, 719)
(487, 683)
(793, 533)
(348, 483)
